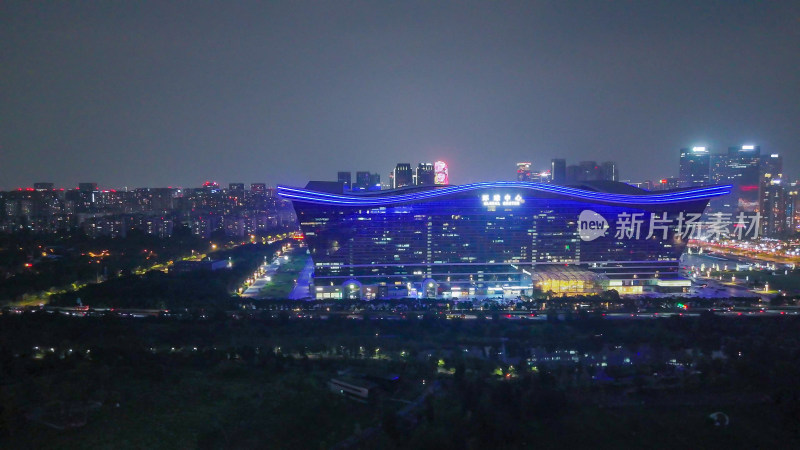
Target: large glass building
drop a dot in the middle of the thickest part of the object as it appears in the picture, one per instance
(495, 239)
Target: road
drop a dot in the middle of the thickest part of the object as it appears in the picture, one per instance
(301, 288)
(269, 270)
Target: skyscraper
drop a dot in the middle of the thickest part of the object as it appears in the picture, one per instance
(424, 175)
(523, 171)
(792, 199)
(558, 171)
(772, 196)
(346, 178)
(609, 171)
(362, 181)
(374, 182)
(588, 171)
(695, 167)
(441, 173)
(740, 167)
(403, 175)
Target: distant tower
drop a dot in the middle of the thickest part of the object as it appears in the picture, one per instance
(772, 198)
(695, 167)
(558, 171)
(403, 175)
(442, 173)
(523, 171)
(609, 171)
(424, 175)
(588, 171)
(374, 182)
(346, 178)
(362, 181)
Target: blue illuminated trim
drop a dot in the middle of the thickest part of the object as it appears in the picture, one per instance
(688, 195)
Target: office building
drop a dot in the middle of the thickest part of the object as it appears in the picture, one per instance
(375, 182)
(402, 176)
(495, 239)
(362, 181)
(609, 171)
(695, 167)
(442, 173)
(524, 171)
(741, 168)
(346, 178)
(558, 171)
(424, 175)
(772, 196)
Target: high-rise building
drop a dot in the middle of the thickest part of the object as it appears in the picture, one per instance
(558, 171)
(523, 171)
(362, 181)
(346, 178)
(772, 196)
(403, 175)
(695, 167)
(236, 187)
(441, 173)
(772, 207)
(258, 188)
(375, 182)
(792, 213)
(609, 171)
(424, 175)
(741, 168)
(588, 171)
(87, 187)
(572, 174)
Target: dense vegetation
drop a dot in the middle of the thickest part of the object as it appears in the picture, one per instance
(259, 382)
(156, 289)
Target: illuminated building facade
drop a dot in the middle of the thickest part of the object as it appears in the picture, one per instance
(403, 176)
(524, 171)
(740, 167)
(695, 167)
(346, 178)
(424, 174)
(772, 196)
(441, 173)
(503, 238)
(558, 170)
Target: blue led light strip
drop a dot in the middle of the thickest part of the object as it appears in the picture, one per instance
(581, 194)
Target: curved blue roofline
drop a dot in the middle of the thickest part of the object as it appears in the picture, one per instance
(687, 195)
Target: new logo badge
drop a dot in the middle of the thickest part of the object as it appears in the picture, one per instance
(591, 225)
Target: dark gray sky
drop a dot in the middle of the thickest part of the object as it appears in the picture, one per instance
(173, 93)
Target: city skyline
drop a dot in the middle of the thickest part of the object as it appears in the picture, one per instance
(162, 94)
(674, 173)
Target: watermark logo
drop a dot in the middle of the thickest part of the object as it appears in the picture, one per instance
(591, 225)
(645, 225)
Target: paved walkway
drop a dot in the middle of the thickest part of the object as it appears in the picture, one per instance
(269, 270)
(301, 288)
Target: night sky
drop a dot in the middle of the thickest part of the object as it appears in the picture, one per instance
(157, 94)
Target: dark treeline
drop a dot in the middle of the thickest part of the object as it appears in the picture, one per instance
(230, 381)
(158, 290)
(58, 261)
